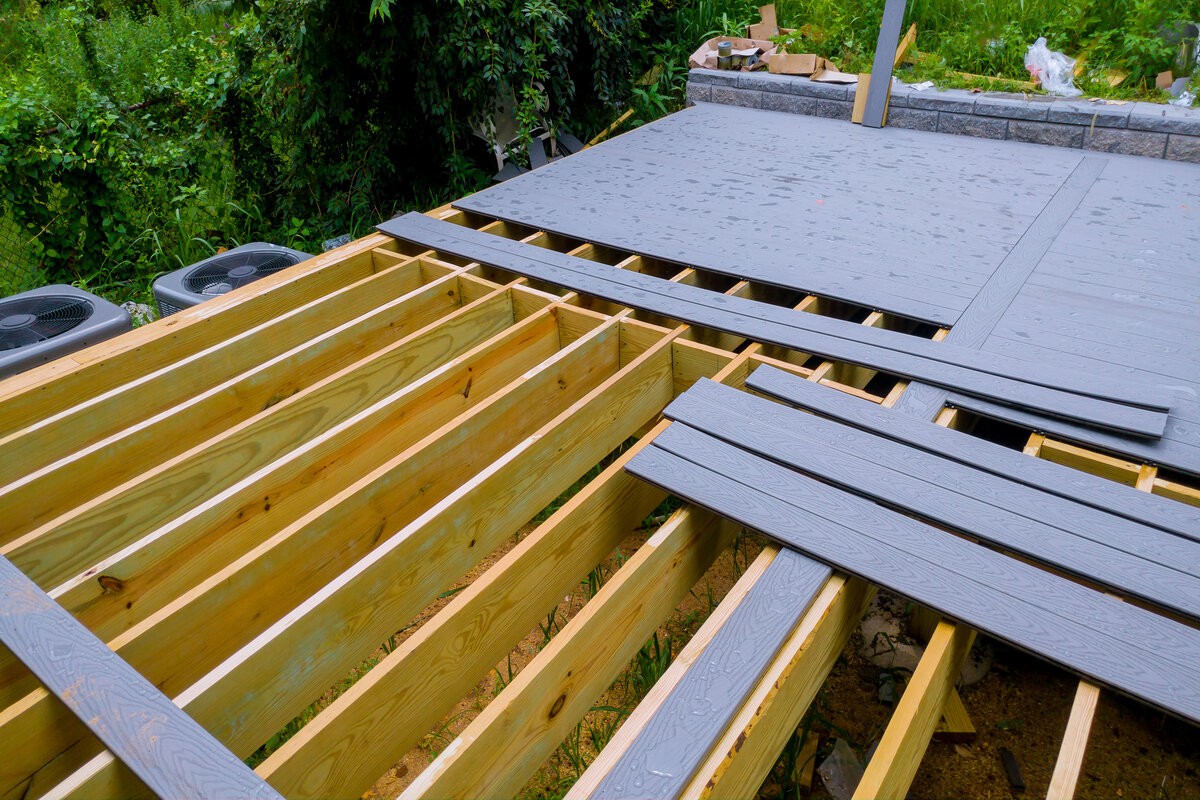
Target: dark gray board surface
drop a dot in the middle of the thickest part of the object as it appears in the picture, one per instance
(891, 352)
(1116, 644)
(901, 213)
(1099, 493)
(666, 753)
(762, 196)
(1132, 559)
(168, 750)
(883, 63)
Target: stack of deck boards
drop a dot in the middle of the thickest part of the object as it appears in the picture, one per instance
(862, 501)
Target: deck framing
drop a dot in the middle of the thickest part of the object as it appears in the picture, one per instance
(397, 442)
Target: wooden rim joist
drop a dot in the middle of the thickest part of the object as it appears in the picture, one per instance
(244, 499)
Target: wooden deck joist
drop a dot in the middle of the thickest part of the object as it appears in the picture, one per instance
(344, 480)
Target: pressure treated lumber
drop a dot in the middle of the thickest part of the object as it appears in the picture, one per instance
(663, 758)
(513, 736)
(1113, 498)
(61, 384)
(247, 698)
(1074, 744)
(898, 756)
(1132, 650)
(278, 572)
(370, 726)
(1133, 559)
(963, 370)
(164, 747)
(142, 434)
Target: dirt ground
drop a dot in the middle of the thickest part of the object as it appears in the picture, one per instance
(1021, 704)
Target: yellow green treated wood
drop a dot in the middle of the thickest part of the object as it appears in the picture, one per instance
(279, 570)
(151, 437)
(400, 576)
(511, 738)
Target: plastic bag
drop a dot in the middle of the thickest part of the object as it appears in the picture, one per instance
(1053, 70)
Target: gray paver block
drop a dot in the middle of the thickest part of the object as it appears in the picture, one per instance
(763, 81)
(1085, 112)
(1045, 133)
(731, 96)
(717, 77)
(827, 91)
(1165, 118)
(793, 104)
(1183, 148)
(972, 125)
(1133, 143)
(1010, 107)
(834, 109)
(917, 119)
(955, 101)
(699, 92)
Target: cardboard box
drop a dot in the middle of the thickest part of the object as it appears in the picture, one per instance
(796, 63)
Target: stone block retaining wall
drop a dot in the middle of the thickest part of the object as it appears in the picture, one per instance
(1141, 129)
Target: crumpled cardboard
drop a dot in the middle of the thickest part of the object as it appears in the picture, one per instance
(797, 64)
(705, 56)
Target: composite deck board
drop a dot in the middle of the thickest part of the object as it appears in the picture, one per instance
(985, 311)
(814, 195)
(168, 750)
(1133, 559)
(875, 109)
(1129, 649)
(900, 354)
(1165, 452)
(680, 190)
(666, 753)
(1142, 507)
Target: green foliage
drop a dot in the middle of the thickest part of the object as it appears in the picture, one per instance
(105, 137)
(990, 37)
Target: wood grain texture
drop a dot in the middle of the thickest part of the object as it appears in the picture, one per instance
(1074, 744)
(164, 747)
(1050, 478)
(274, 570)
(247, 697)
(751, 744)
(1133, 559)
(663, 758)
(369, 727)
(908, 356)
(898, 756)
(1136, 652)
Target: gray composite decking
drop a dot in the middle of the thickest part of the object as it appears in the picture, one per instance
(1039, 253)
(665, 754)
(1132, 559)
(1130, 649)
(1164, 514)
(999, 379)
(168, 750)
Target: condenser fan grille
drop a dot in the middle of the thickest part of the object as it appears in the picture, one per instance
(28, 320)
(228, 272)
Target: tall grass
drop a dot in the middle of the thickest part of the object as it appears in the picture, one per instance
(991, 36)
